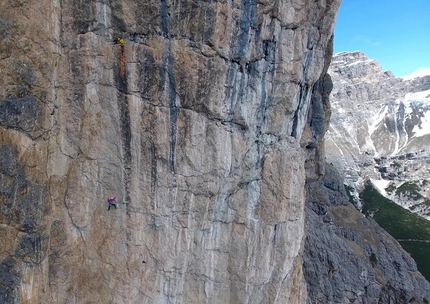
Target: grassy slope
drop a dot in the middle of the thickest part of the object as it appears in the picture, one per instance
(402, 225)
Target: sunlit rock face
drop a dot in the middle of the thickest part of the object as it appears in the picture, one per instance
(380, 129)
(381, 114)
(200, 126)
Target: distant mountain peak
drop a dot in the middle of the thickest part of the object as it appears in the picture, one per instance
(376, 115)
(349, 56)
(356, 65)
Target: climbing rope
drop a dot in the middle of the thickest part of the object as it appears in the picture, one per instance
(122, 62)
(120, 41)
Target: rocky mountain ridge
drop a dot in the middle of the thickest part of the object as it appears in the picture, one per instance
(380, 129)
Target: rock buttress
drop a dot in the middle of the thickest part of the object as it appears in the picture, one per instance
(195, 125)
(348, 257)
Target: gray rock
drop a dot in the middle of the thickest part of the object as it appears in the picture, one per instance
(200, 125)
(9, 281)
(19, 113)
(350, 259)
(378, 119)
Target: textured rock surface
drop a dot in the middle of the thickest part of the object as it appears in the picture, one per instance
(380, 128)
(202, 141)
(375, 112)
(348, 258)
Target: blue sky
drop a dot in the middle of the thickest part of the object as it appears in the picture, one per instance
(394, 32)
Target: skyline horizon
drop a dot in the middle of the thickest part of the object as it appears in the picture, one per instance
(420, 72)
(394, 33)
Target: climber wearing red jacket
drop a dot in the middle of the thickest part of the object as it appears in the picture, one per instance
(111, 201)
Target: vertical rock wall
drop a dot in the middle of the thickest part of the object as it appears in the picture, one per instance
(202, 141)
(348, 258)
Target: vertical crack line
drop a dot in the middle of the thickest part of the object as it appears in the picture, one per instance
(230, 90)
(246, 23)
(173, 111)
(164, 15)
(153, 174)
(304, 91)
(275, 232)
(262, 108)
(269, 67)
(173, 118)
(124, 113)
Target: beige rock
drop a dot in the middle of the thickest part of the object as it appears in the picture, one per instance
(200, 141)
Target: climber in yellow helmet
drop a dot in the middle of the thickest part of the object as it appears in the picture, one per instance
(119, 41)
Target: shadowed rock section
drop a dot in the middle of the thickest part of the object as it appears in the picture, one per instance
(9, 281)
(349, 258)
(20, 113)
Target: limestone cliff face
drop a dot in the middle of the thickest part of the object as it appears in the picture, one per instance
(199, 126)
